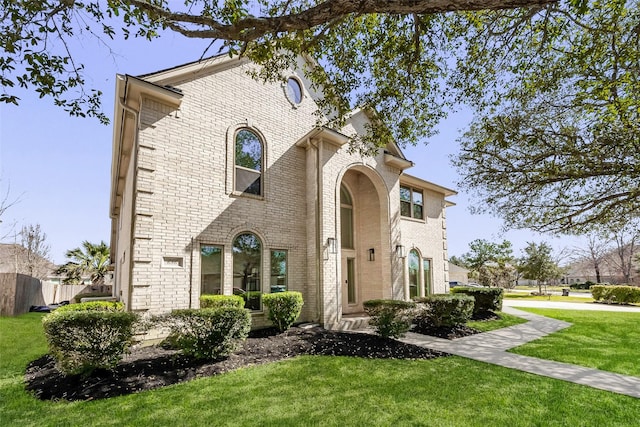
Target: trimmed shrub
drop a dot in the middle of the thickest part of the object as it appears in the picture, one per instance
(283, 308)
(486, 299)
(83, 340)
(209, 333)
(616, 294)
(214, 301)
(76, 299)
(390, 318)
(92, 306)
(585, 285)
(443, 310)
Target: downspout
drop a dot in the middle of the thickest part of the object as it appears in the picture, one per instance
(134, 159)
(191, 273)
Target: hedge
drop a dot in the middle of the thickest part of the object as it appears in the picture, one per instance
(443, 310)
(283, 308)
(83, 340)
(616, 294)
(486, 299)
(214, 301)
(390, 318)
(209, 333)
(92, 306)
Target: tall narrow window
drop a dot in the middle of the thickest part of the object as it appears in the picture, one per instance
(278, 280)
(346, 218)
(414, 273)
(211, 269)
(247, 258)
(411, 203)
(248, 161)
(426, 267)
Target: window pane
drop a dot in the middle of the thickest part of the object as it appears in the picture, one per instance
(417, 211)
(247, 181)
(351, 279)
(345, 197)
(405, 194)
(278, 280)
(294, 91)
(248, 150)
(346, 227)
(417, 197)
(414, 265)
(211, 269)
(405, 208)
(426, 266)
(247, 255)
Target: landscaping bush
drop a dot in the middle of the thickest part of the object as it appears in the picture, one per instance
(76, 299)
(214, 301)
(93, 306)
(209, 333)
(616, 294)
(390, 318)
(443, 310)
(486, 299)
(586, 285)
(85, 339)
(283, 308)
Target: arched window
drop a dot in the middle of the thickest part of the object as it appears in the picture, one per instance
(346, 218)
(248, 162)
(414, 272)
(247, 260)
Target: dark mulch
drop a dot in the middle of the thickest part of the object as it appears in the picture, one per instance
(148, 368)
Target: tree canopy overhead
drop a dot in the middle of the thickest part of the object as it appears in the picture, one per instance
(554, 85)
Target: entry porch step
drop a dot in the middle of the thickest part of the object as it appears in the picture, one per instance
(352, 322)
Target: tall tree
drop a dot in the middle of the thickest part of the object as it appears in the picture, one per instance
(538, 264)
(555, 145)
(482, 251)
(627, 241)
(32, 255)
(593, 253)
(90, 260)
(389, 55)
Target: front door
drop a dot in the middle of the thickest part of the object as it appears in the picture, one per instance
(350, 293)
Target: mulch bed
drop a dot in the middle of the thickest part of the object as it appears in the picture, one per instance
(147, 368)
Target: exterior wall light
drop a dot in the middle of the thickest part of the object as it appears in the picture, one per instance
(331, 245)
(400, 251)
(372, 254)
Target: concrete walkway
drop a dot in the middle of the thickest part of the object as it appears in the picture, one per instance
(491, 347)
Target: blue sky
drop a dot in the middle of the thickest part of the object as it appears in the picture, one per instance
(58, 166)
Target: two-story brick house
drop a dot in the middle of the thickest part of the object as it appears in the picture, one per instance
(225, 184)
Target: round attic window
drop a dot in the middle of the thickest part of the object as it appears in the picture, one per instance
(294, 90)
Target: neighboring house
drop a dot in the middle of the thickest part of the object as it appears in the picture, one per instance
(15, 258)
(222, 184)
(458, 274)
(610, 269)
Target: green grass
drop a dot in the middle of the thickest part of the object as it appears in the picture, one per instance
(556, 298)
(320, 391)
(605, 340)
(491, 325)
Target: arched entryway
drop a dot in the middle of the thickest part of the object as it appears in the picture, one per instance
(364, 239)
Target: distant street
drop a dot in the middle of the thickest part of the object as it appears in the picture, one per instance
(570, 305)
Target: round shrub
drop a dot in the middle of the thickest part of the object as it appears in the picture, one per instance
(209, 333)
(92, 306)
(213, 301)
(390, 318)
(486, 299)
(83, 340)
(283, 308)
(443, 310)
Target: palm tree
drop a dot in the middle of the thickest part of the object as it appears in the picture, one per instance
(90, 260)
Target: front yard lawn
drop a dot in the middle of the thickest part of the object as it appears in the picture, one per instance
(318, 390)
(604, 340)
(556, 298)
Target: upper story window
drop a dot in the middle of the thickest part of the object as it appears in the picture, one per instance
(248, 162)
(294, 91)
(346, 218)
(411, 202)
